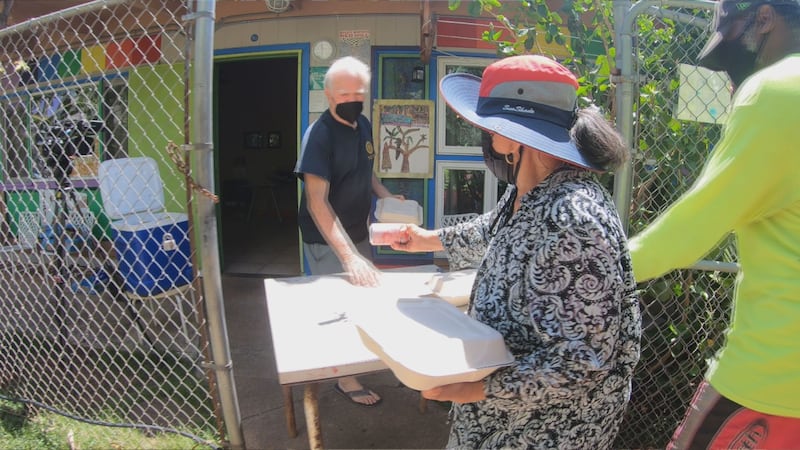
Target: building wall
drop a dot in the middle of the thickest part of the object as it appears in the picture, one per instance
(384, 30)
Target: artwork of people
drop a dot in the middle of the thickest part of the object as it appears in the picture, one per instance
(402, 132)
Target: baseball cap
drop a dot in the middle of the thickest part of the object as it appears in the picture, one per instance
(725, 15)
(530, 99)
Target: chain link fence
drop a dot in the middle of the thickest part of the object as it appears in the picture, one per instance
(101, 315)
(677, 111)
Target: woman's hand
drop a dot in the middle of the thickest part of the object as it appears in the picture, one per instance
(457, 392)
(411, 238)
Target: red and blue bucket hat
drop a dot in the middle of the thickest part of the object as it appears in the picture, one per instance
(530, 99)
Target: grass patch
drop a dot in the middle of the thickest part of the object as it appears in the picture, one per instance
(95, 388)
(22, 429)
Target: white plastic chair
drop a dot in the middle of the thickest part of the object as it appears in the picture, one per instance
(449, 220)
(78, 215)
(25, 251)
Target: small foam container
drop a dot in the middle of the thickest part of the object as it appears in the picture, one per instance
(394, 210)
(385, 233)
(427, 342)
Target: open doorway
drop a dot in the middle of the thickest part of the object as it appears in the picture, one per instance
(257, 128)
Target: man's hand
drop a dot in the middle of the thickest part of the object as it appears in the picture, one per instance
(457, 392)
(361, 272)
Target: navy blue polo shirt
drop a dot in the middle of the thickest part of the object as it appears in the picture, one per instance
(344, 157)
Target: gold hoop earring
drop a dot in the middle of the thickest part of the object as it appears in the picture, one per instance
(510, 159)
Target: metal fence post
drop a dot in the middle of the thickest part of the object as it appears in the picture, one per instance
(212, 282)
(624, 102)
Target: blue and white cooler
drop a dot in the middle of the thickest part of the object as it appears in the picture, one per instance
(152, 246)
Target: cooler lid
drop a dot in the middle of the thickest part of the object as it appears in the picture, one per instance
(148, 221)
(129, 186)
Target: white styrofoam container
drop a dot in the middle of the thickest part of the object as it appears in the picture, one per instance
(392, 209)
(428, 342)
(385, 233)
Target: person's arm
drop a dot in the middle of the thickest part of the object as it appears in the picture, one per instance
(381, 191)
(411, 238)
(465, 243)
(360, 271)
(467, 392)
(467, 235)
(740, 182)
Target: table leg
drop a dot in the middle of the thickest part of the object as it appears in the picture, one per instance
(288, 408)
(311, 406)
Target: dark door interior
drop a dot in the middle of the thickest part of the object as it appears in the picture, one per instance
(257, 128)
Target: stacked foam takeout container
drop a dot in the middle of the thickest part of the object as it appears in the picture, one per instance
(427, 341)
(393, 213)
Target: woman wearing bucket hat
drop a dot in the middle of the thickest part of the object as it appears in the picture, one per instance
(555, 277)
(749, 186)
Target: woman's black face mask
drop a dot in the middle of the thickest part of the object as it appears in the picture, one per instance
(496, 162)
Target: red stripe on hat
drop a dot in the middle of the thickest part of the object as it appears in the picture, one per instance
(525, 68)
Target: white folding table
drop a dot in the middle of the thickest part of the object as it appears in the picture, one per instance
(314, 338)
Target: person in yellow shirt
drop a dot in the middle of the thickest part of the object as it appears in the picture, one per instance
(750, 186)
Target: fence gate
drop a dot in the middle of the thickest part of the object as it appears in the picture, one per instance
(670, 111)
(101, 317)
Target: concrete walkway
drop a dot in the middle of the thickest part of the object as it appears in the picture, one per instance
(395, 423)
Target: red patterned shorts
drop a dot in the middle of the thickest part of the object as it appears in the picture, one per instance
(714, 422)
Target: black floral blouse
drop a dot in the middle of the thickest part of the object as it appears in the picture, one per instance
(555, 280)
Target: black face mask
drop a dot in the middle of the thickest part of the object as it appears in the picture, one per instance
(497, 163)
(349, 111)
(734, 57)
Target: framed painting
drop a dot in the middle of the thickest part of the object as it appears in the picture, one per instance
(255, 140)
(402, 134)
(274, 139)
(455, 135)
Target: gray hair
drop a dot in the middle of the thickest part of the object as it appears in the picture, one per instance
(350, 65)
